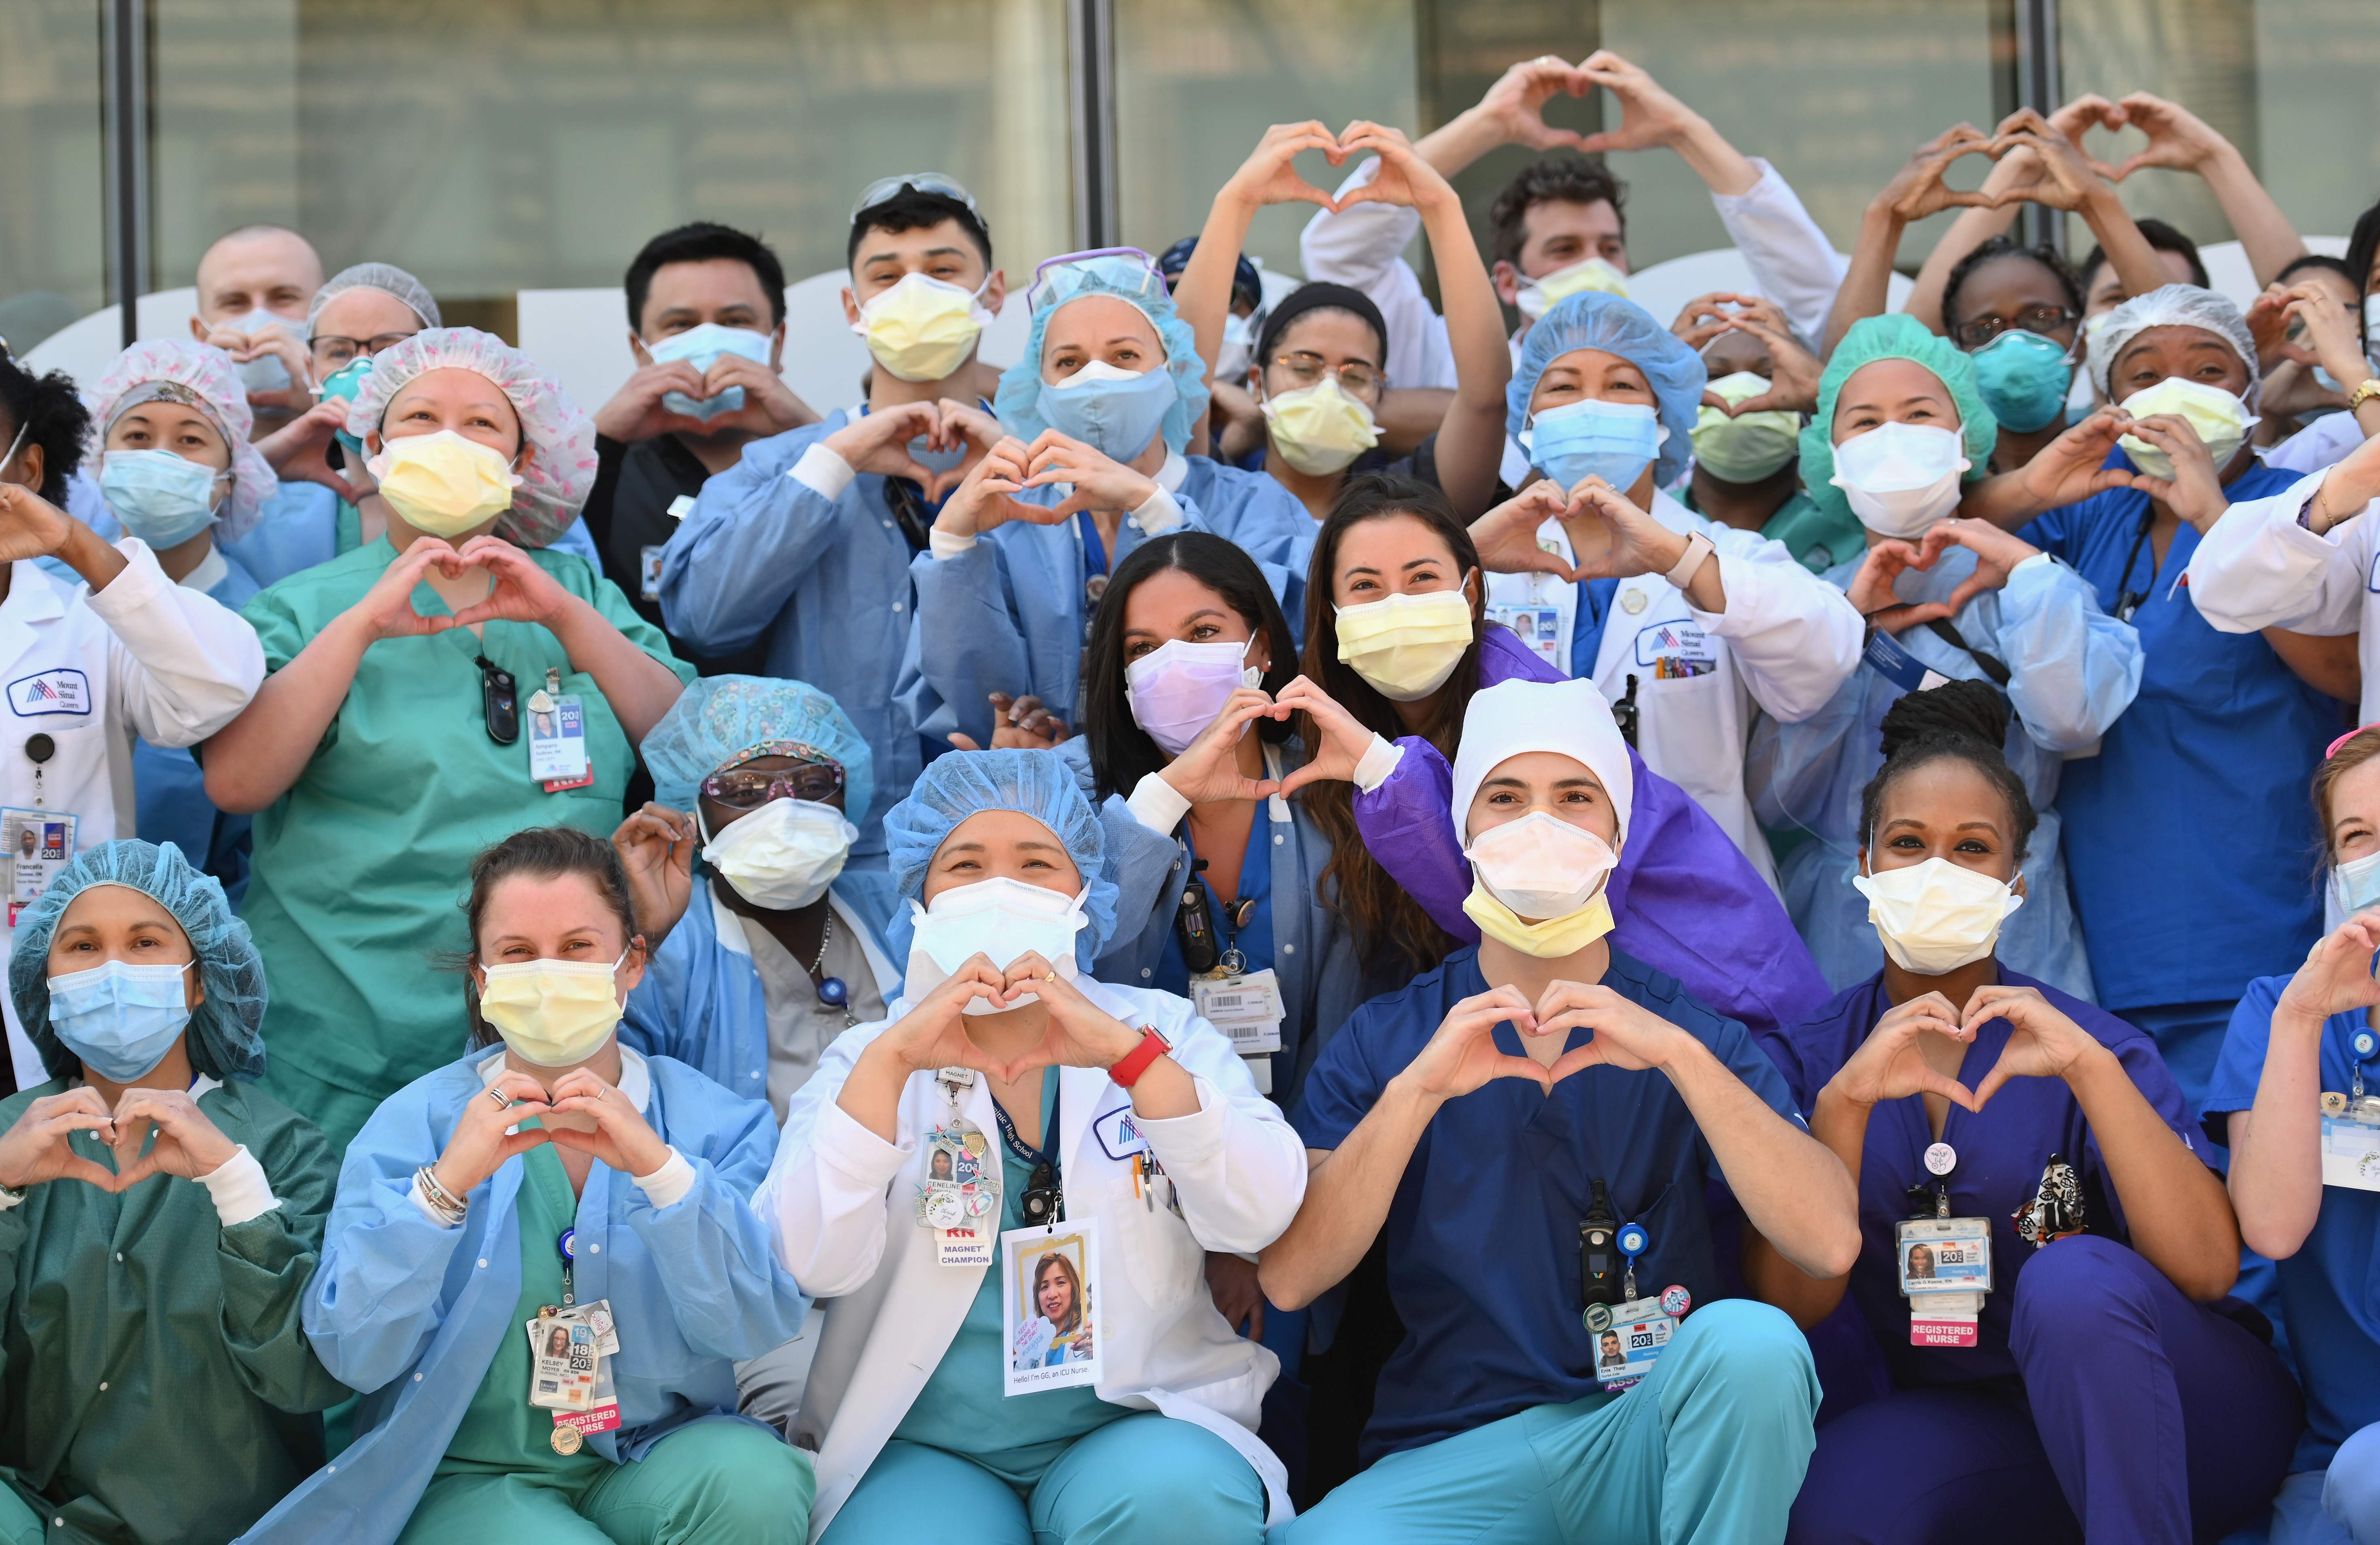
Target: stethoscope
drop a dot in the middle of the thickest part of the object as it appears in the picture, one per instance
(2128, 601)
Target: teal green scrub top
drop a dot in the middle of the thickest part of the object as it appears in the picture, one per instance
(1818, 538)
(961, 1410)
(359, 869)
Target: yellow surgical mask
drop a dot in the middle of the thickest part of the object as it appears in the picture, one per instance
(1540, 296)
(442, 483)
(922, 329)
(1551, 940)
(1406, 645)
(1320, 429)
(1746, 449)
(2220, 418)
(552, 1013)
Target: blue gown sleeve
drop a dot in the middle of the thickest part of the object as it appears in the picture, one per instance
(966, 642)
(755, 533)
(2072, 668)
(376, 1298)
(1791, 770)
(654, 1020)
(727, 1295)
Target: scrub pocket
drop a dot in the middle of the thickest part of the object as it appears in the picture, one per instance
(1163, 1263)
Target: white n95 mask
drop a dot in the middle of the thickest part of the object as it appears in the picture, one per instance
(783, 856)
(1000, 919)
(2220, 418)
(1900, 479)
(1936, 917)
(1541, 866)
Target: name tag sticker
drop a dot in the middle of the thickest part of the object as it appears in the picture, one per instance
(65, 690)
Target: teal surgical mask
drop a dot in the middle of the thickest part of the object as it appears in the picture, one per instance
(344, 383)
(2022, 377)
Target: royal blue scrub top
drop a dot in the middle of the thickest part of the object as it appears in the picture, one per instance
(2330, 1289)
(1483, 1236)
(1255, 938)
(2001, 1152)
(2171, 828)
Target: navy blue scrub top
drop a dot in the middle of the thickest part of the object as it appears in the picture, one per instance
(1483, 1233)
(2330, 1289)
(1255, 940)
(2001, 1150)
(2171, 828)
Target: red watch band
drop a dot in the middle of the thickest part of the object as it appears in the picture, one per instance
(1140, 1058)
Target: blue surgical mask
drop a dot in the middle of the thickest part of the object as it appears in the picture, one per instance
(2024, 377)
(159, 497)
(701, 347)
(2357, 884)
(1614, 441)
(120, 1019)
(1112, 410)
(344, 383)
(266, 373)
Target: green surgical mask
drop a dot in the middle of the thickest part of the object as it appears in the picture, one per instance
(1747, 449)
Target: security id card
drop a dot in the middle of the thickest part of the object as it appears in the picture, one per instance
(2351, 1147)
(1535, 624)
(1248, 1008)
(563, 1364)
(1051, 1306)
(1626, 1351)
(1945, 1255)
(39, 845)
(557, 743)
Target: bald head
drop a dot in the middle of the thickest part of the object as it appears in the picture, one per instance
(258, 265)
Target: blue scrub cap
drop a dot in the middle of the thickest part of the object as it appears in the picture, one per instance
(1018, 401)
(720, 716)
(1593, 320)
(225, 1035)
(1896, 336)
(955, 786)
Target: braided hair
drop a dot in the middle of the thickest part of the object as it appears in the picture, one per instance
(1966, 721)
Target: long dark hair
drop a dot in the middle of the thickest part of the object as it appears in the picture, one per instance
(543, 853)
(1122, 753)
(1384, 915)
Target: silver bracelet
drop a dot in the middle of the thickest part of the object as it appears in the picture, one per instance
(441, 1201)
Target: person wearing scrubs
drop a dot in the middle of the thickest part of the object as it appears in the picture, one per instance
(399, 731)
(1696, 626)
(2095, 1388)
(1085, 463)
(2289, 1100)
(1320, 370)
(805, 545)
(2223, 721)
(1115, 1113)
(1900, 427)
(1747, 467)
(2017, 313)
(775, 947)
(1396, 644)
(94, 664)
(185, 401)
(159, 1219)
(1500, 1125)
(552, 1179)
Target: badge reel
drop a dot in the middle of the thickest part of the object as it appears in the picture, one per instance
(1629, 1338)
(960, 1191)
(570, 1348)
(1945, 1263)
(2350, 1124)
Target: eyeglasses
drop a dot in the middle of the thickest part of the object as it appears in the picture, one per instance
(1113, 270)
(1306, 369)
(2043, 319)
(816, 779)
(921, 182)
(332, 351)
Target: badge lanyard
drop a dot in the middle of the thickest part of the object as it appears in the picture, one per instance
(1044, 1200)
(1944, 1263)
(1095, 568)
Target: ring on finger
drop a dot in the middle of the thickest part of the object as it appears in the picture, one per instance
(504, 1101)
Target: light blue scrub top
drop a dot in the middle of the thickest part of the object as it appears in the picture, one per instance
(2073, 670)
(961, 1410)
(170, 790)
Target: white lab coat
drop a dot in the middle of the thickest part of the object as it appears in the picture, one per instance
(1786, 641)
(2259, 568)
(1791, 260)
(145, 657)
(838, 1201)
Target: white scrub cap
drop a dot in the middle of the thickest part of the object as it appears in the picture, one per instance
(1515, 717)
(561, 471)
(384, 276)
(2171, 306)
(187, 371)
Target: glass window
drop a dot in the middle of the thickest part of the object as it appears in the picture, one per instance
(53, 244)
(2317, 99)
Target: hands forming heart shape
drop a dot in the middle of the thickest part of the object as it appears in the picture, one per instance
(518, 591)
(1609, 536)
(1872, 590)
(39, 1147)
(1077, 1032)
(1463, 1055)
(2043, 1043)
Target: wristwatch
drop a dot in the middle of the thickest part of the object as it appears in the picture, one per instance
(1698, 547)
(2364, 393)
(1139, 1060)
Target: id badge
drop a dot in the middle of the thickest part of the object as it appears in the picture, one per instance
(1890, 659)
(1626, 1350)
(571, 1428)
(648, 572)
(2350, 1142)
(597, 1316)
(1536, 624)
(557, 743)
(1050, 1305)
(40, 844)
(960, 1197)
(1248, 1008)
(563, 1364)
(1946, 1269)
